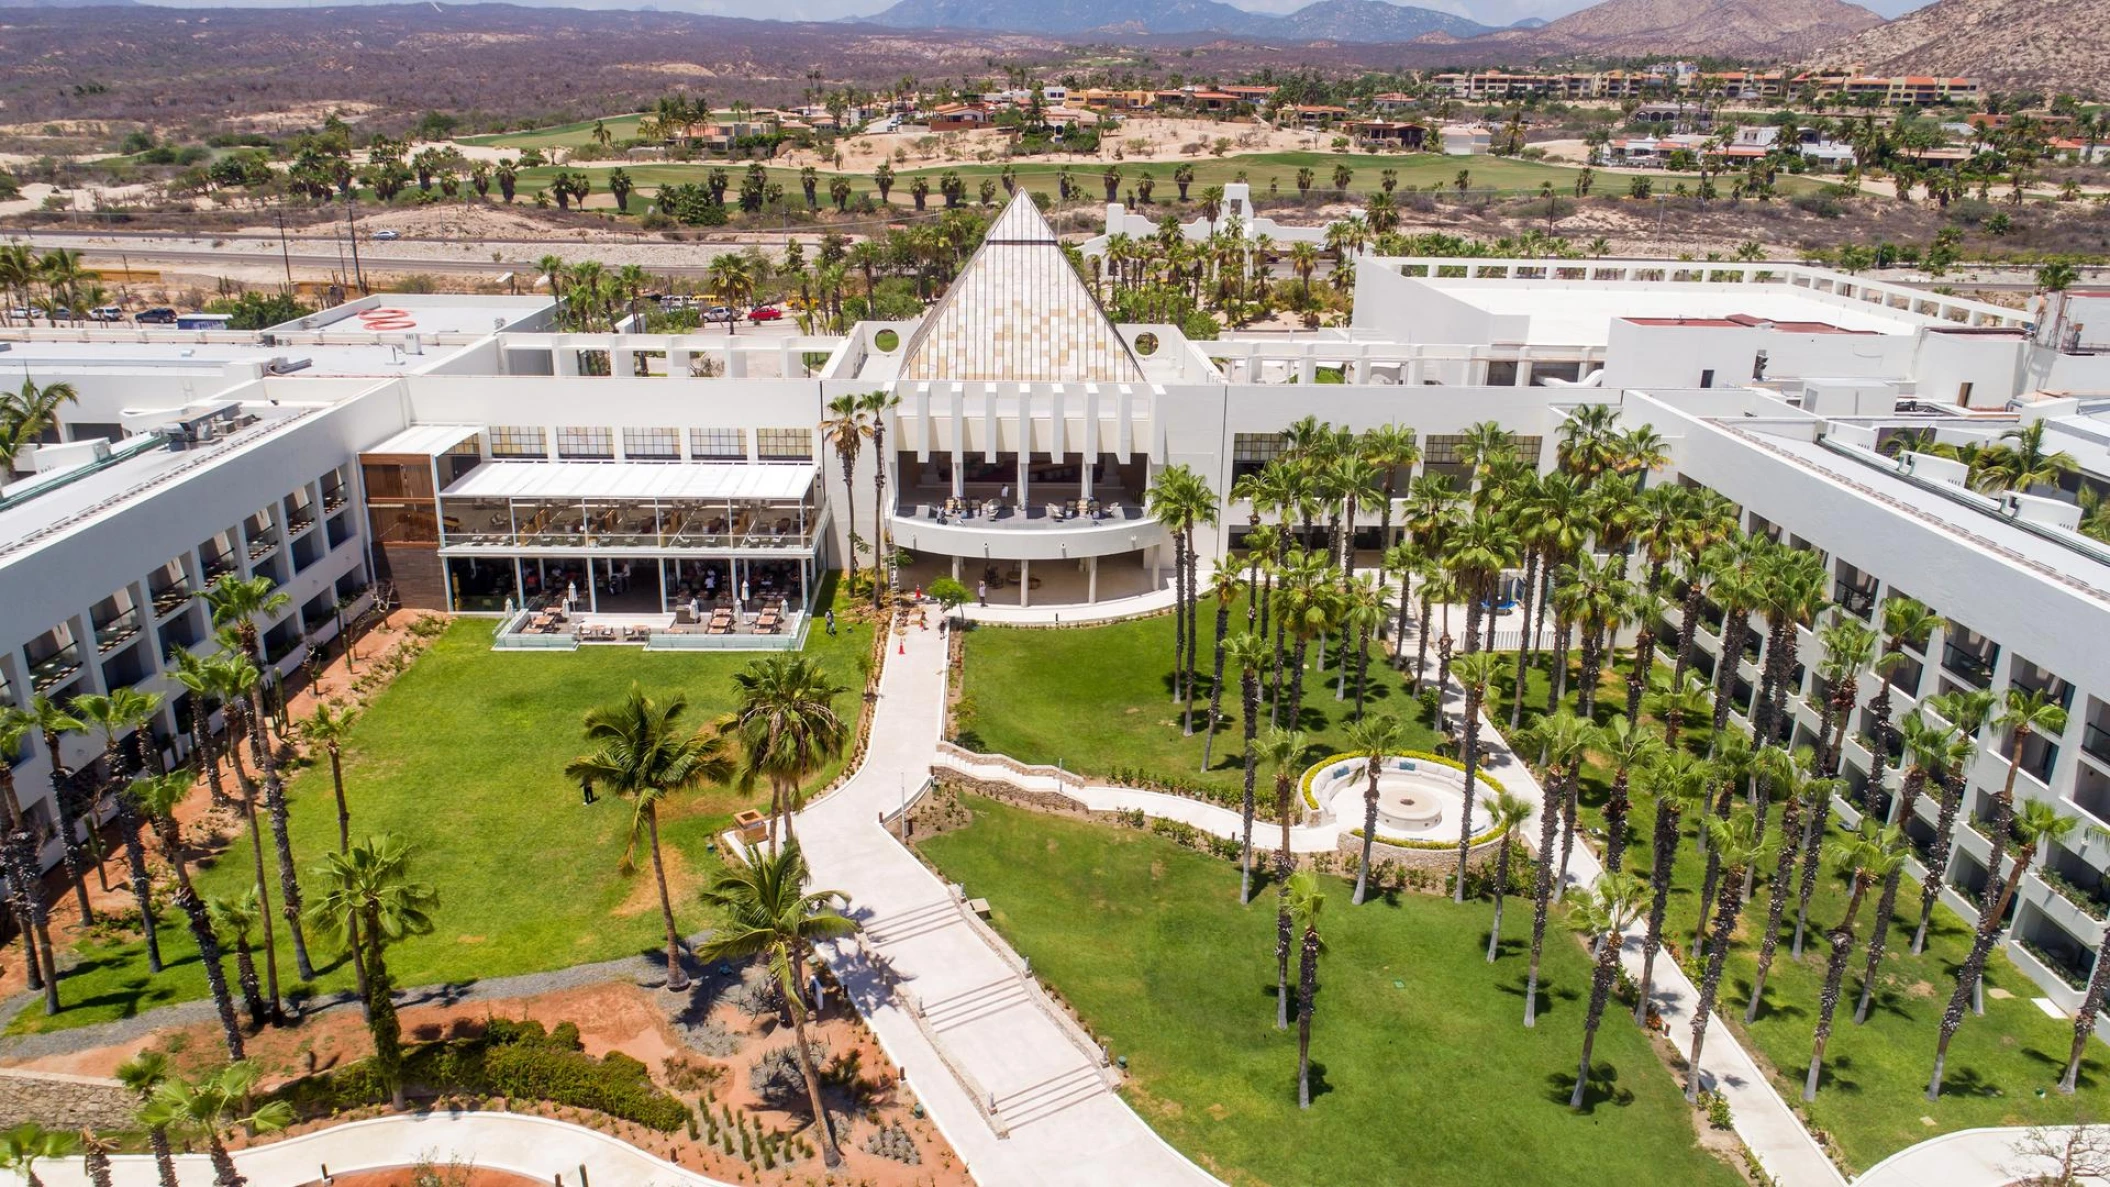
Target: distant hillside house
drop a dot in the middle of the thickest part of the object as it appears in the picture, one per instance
(958, 117)
(1391, 101)
(1251, 94)
(1120, 100)
(1411, 136)
(1313, 115)
(1467, 140)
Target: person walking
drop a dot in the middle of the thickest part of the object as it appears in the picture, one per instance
(831, 624)
(981, 592)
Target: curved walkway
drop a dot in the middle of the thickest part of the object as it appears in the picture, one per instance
(537, 1147)
(1974, 1158)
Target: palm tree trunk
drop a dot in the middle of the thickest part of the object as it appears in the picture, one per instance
(2084, 1018)
(1250, 686)
(1938, 855)
(282, 840)
(1296, 681)
(1842, 939)
(830, 1154)
(252, 994)
(1179, 616)
(1421, 640)
(676, 979)
(208, 756)
(1494, 932)
(882, 572)
(848, 464)
(1524, 650)
(381, 1021)
(1541, 899)
(344, 812)
(201, 930)
(1688, 628)
(223, 1172)
(142, 883)
(1814, 826)
(1878, 940)
(1399, 626)
(1616, 808)
(1362, 868)
(1777, 904)
(1968, 979)
(69, 830)
(1637, 679)
(263, 898)
(1726, 910)
(164, 1156)
(1472, 765)
(1216, 685)
(1307, 988)
(1608, 946)
(1662, 861)
(1557, 679)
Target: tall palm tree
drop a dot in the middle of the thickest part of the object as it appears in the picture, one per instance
(238, 603)
(213, 1106)
(23, 1145)
(235, 917)
(1475, 672)
(1613, 904)
(1849, 645)
(1678, 783)
(328, 728)
(1967, 712)
(1905, 621)
(1181, 500)
(1925, 750)
(1563, 740)
(2021, 462)
(116, 715)
(2091, 1002)
(1364, 607)
(1309, 604)
(1305, 903)
(140, 1075)
(788, 728)
(2036, 825)
(1628, 749)
(1866, 858)
(845, 430)
(642, 753)
(765, 911)
(1737, 842)
(1283, 750)
(876, 405)
(371, 883)
(157, 797)
(1791, 594)
(1645, 608)
(199, 681)
(1373, 739)
(52, 723)
(20, 862)
(1508, 811)
(1803, 791)
(1248, 653)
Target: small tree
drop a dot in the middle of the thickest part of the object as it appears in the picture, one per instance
(949, 594)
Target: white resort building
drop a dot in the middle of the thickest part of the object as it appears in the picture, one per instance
(475, 461)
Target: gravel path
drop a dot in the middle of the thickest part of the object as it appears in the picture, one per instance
(647, 970)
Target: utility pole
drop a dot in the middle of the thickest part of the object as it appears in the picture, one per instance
(358, 275)
(285, 253)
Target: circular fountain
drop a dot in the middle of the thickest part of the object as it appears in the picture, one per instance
(1417, 799)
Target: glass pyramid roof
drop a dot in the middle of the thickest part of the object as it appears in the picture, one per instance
(1019, 313)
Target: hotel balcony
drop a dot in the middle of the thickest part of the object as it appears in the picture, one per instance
(1056, 529)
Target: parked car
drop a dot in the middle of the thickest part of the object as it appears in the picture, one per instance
(160, 315)
(106, 313)
(765, 313)
(719, 313)
(383, 236)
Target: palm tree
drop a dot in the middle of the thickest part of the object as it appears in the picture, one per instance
(1224, 587)
(140, 1075)
(19, 860)
(1305, 902)
(210, 1107)
(2021, 462)
(1803, 792)
(1614, 903)
(788, 728)
(157, 797)
(22, 1146)
(1562, 739)
(1926, 747)
(2036, 825)
(1283, 750)
(1308, 607)
(197, 677)
(235, 678)
(1508, 811)
(26, 414)
(1678, 782)
(1737, 843)
(329, 728)
(875, 405)
(2091, 1002)
(1905, 621)
(116, 715)
(845, 430)
(732, 280)
(371, 883)
(238, 603)
(1181, 499)
(764, 911)
(1475, 672)
(641, 753)
(1374, 738)
(1848, 647)
(52, 722)
(1865, 858)
(1248, 653)
(236, 917)
(1628, 749)
(1968, 712)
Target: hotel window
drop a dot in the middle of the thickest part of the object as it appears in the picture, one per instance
(784, 445)
(585, 441)
(518, 441)
(1251, 451)
(657, 445)
(718, 445)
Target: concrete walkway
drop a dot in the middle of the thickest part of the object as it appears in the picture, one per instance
(1974, 1158)
(1019, 1092)
(537, 1147)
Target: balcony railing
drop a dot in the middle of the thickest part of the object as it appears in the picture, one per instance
(298, 522)
(2095, 742)
(117, 632)
(218, 566)
(1973, 667)
(263, 547)
(2091, 901)
(170, 597)
(47, 674)
(1854, 600)
(333, 501)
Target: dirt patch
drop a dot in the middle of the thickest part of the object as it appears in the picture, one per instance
(644, 887)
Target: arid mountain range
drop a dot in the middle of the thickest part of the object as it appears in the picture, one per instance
(1719, 28)
(2048, 45)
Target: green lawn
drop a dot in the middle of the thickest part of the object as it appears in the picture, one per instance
(1099, 700)
(1423, 1070)
(1872, 1101)
(464, 754)
(620, 127)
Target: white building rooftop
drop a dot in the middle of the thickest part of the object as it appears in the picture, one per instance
(1581, 313)
(427, 314)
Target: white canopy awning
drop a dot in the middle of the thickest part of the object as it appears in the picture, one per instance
(638, 481)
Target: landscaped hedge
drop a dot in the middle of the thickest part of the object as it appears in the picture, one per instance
(1480, 775)
(516, 1060)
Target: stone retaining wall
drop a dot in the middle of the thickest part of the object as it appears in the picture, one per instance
(1443, 860)
(58, 1101)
